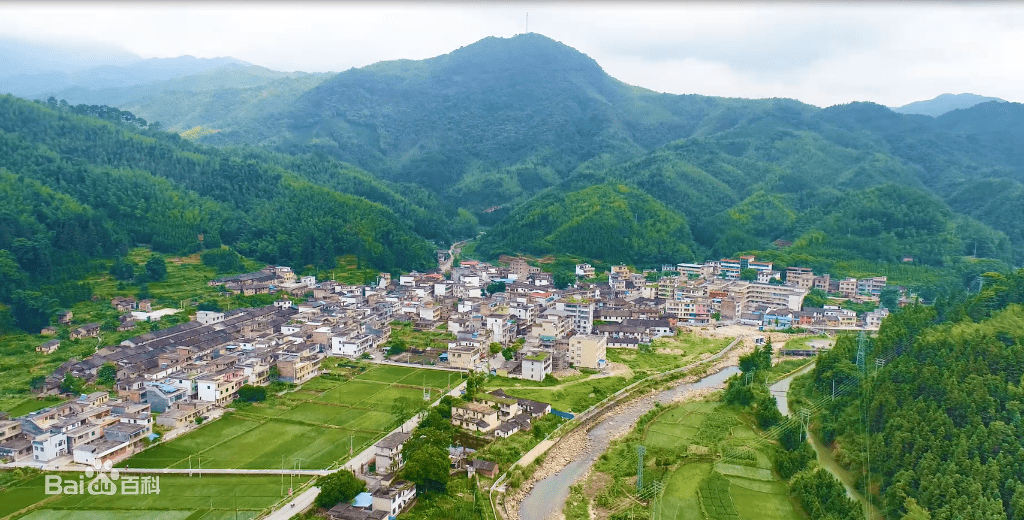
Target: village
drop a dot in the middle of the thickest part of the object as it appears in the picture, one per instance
(504, 320)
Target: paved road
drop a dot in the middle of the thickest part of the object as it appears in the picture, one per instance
(296, 506)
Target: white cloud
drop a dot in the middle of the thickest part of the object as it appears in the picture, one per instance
(819, 53)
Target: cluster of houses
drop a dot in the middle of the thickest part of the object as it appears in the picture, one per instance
(91, 429)
(186, 370)
(494, 414)
(769, 299)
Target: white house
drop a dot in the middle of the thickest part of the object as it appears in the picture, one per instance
(393, 499)
(49, 446)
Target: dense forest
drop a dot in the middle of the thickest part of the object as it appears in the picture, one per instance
(85, 182)
(514, 123)
(938, 419)
(525, 137)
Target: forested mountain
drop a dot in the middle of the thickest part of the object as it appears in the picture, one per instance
(228, 97)
(77, 187)
(944, 414)
(943, 103)
(490, 126)
(140, 72)
(503, 130)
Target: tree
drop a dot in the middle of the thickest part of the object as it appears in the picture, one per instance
(122, 269)
(915, 511)
(337, 487)
(427, 466)
(143, 292)
(209, 305)
(107, 375)
(496, 287)
(71, 384)
(495, 348)
(252, 394)
(815, 298)
(394, 347)
(224, 260)
(564, 279)
(473, 384)
(31, 310)
(748, 274)
(37, 383)
(890, 298)
(156, 268)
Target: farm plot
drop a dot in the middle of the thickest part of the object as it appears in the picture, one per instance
(180, 497)
(322, 423)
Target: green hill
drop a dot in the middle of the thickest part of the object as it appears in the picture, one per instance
(77, 187)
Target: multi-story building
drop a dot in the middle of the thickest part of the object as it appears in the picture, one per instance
(475, 417)
(49, 446)
(823, 282)
(872, 286)
(802, 277)
(580, 310)
(298, 369)
(848, 287)
(585, 270)
(536, 366)
(221, 387)
(389, 452)
(690, 311)
(588, 351)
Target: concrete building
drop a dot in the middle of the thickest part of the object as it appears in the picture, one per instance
(389, 452)
(475, 417)
(394, 498)
(580, 310)
(588, 351)
(536, 366)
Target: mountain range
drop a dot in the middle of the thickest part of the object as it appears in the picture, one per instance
(531, 139)
(943, 103)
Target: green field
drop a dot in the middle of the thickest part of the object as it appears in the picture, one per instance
(741, 484)
(180, 497)
(320, 424)
(574, 397)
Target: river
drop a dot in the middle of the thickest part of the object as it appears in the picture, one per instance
(781, 392)
(548, 495)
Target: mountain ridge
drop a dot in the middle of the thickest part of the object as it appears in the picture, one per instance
(944, 103)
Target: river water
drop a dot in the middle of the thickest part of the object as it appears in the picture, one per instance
(781, 392)
(548, 495)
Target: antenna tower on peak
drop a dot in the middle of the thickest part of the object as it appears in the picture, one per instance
(527, 23)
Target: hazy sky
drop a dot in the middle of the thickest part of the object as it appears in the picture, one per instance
(819, 53)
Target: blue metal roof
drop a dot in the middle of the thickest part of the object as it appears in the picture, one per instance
(363, 500)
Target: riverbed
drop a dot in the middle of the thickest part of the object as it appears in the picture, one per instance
(781, 392)
(548, 495)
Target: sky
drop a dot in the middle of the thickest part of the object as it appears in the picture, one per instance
(821, 53)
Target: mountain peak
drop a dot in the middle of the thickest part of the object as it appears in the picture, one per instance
(520, 52)
(943, 103)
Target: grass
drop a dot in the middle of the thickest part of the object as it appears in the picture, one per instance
(403, 331)
(679, 500)
(696, 481)
(667, 353)
(575, 397)
(315, 425)
(508, 450)
(180, 497)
